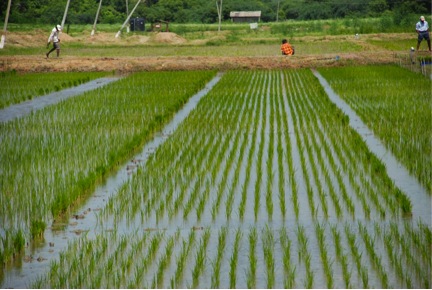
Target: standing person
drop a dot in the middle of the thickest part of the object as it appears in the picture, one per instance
(54, 37)
(286, 48)
(422, 28)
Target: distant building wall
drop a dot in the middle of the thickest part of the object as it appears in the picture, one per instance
(245, 16)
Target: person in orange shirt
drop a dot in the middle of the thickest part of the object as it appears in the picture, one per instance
(286, 48)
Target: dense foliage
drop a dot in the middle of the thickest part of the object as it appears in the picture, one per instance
(400, 12)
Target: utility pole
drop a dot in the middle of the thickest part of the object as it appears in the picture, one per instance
(127, 13)
(64, 15)
(219, 11)
(97, 15)
(127, 19)
(3, 37)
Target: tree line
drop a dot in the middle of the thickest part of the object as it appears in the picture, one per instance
(402, 12)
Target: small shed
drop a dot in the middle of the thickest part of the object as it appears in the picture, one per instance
(245, 16)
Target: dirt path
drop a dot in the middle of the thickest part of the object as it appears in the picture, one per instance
(130, 64)
(37, 63)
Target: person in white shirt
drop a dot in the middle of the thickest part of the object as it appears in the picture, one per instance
(422, 28)
(55, 38)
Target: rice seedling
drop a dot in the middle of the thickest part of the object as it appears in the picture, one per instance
(200, 259)
(319, 229)
(234, 259)
(181, 263)
(268, 251)
(163, 263)
(62, 164)
(252, 273)
(369, 242)
(289, 269)
(215, 282)
(17, 87)
(384, 97)
(275, 137)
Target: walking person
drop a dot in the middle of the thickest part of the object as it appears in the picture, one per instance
(286, 48)
(422, 28)
(55, 38)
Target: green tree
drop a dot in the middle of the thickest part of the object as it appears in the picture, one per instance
(407, 12)
(377, 7)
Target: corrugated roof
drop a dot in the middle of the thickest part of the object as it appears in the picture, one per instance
(245, 14)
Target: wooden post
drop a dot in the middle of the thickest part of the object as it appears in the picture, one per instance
(219, 11)
(3, 37)
(127, 19)
(97, 15)
(64, 15)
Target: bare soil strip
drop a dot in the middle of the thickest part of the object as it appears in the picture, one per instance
(33, 63)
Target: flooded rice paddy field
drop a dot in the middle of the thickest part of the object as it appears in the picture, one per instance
(262, 181)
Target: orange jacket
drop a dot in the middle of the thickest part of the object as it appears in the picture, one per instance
(286, 49)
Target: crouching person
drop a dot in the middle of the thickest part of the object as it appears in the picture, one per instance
(286, 48)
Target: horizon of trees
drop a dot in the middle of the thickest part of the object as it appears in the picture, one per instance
(402, 12)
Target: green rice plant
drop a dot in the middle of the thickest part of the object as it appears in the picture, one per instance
(163, 263)
(215, 281)
(396, 262)
(302, 242)
(182, 259)
(369, 242)
(345, 272)
(306, 175)
(200, 259)
(309, 273)
(413, 251)
(268, 251)
(203, 165)
(289, 269)
(234, 259)
(37, 228)
(319, 229)
(19, 87)
(61, 164)
(384, 97)
(269, 204)
(252, 273)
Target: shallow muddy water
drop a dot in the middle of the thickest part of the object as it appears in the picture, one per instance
(84, 221)
(25, 108)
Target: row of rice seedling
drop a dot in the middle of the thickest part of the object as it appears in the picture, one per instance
(285, 122)
(328, 255)
(396, 104)
(53, 157)
(191, 177)
(329, 131)
(17, 87)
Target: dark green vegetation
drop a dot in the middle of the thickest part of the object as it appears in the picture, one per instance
(203, 11)
(396, 105)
